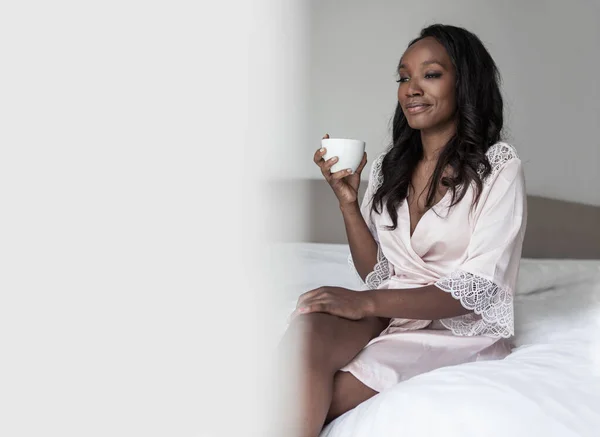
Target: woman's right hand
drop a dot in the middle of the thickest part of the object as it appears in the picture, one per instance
(344, 183)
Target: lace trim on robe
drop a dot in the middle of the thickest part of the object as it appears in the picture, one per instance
(492, 306)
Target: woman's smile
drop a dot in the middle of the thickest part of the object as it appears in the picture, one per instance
(417, 109)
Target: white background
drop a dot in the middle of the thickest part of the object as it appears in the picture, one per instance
(133, 136)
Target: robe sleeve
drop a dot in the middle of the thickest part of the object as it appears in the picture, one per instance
(381, 270)
(485, 281)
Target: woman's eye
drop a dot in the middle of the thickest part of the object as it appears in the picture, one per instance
(432, 75)
(402, 80)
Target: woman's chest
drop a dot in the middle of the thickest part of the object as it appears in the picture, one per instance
(436, 234)
(421, 197)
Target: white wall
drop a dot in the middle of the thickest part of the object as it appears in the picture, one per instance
(547, 54)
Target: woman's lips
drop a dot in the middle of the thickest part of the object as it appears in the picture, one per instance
(417, 109)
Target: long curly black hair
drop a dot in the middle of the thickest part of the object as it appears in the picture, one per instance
(479, 125)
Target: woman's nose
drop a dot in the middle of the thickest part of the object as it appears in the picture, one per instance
(413, 88)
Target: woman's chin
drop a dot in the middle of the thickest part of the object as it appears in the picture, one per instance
(425, 123)
(418, 124)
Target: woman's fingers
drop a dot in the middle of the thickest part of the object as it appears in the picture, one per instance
(320, 307)
(318, 157)
(308, 295)
(341, 174)
(305, 300)
(311, 306)
(325, 166)
(320, 152)
(314, 305)
(328, 164)
(362, 163)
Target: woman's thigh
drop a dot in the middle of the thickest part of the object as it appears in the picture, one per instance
(330, 340)
(348, 392)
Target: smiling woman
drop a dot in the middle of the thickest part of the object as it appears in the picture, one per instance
(427, 83)
(437, 239)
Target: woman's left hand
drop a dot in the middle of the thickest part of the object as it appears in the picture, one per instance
(338, 301)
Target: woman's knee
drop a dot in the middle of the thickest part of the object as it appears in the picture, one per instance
(314, 337)
(329, 340)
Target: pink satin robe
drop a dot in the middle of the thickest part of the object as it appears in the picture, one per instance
(473, 254)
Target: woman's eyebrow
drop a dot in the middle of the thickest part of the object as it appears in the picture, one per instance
(428, 62)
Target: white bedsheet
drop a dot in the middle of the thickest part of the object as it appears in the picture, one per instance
(548, 386)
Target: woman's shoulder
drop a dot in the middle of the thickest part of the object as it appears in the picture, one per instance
(500, 153)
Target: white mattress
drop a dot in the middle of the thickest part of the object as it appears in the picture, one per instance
(548, 386)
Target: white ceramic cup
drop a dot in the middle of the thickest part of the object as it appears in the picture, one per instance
(348, 152)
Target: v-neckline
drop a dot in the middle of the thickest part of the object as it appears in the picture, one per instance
(411, 235)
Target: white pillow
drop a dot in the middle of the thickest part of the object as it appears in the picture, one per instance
(542, 274)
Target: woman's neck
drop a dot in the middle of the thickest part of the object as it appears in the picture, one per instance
(434, 140)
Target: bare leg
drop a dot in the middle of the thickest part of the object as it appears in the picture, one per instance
(320, 344)
(348, 392)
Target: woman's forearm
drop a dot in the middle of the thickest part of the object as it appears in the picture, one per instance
(363, 246)
(424, 303)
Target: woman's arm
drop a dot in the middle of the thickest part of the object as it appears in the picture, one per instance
(423, 303)
(363, 246)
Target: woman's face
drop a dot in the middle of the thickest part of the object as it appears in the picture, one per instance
(427, 90)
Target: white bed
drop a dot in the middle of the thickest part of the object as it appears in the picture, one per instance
(548, 386)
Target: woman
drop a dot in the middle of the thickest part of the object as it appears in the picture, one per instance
(437, 239)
